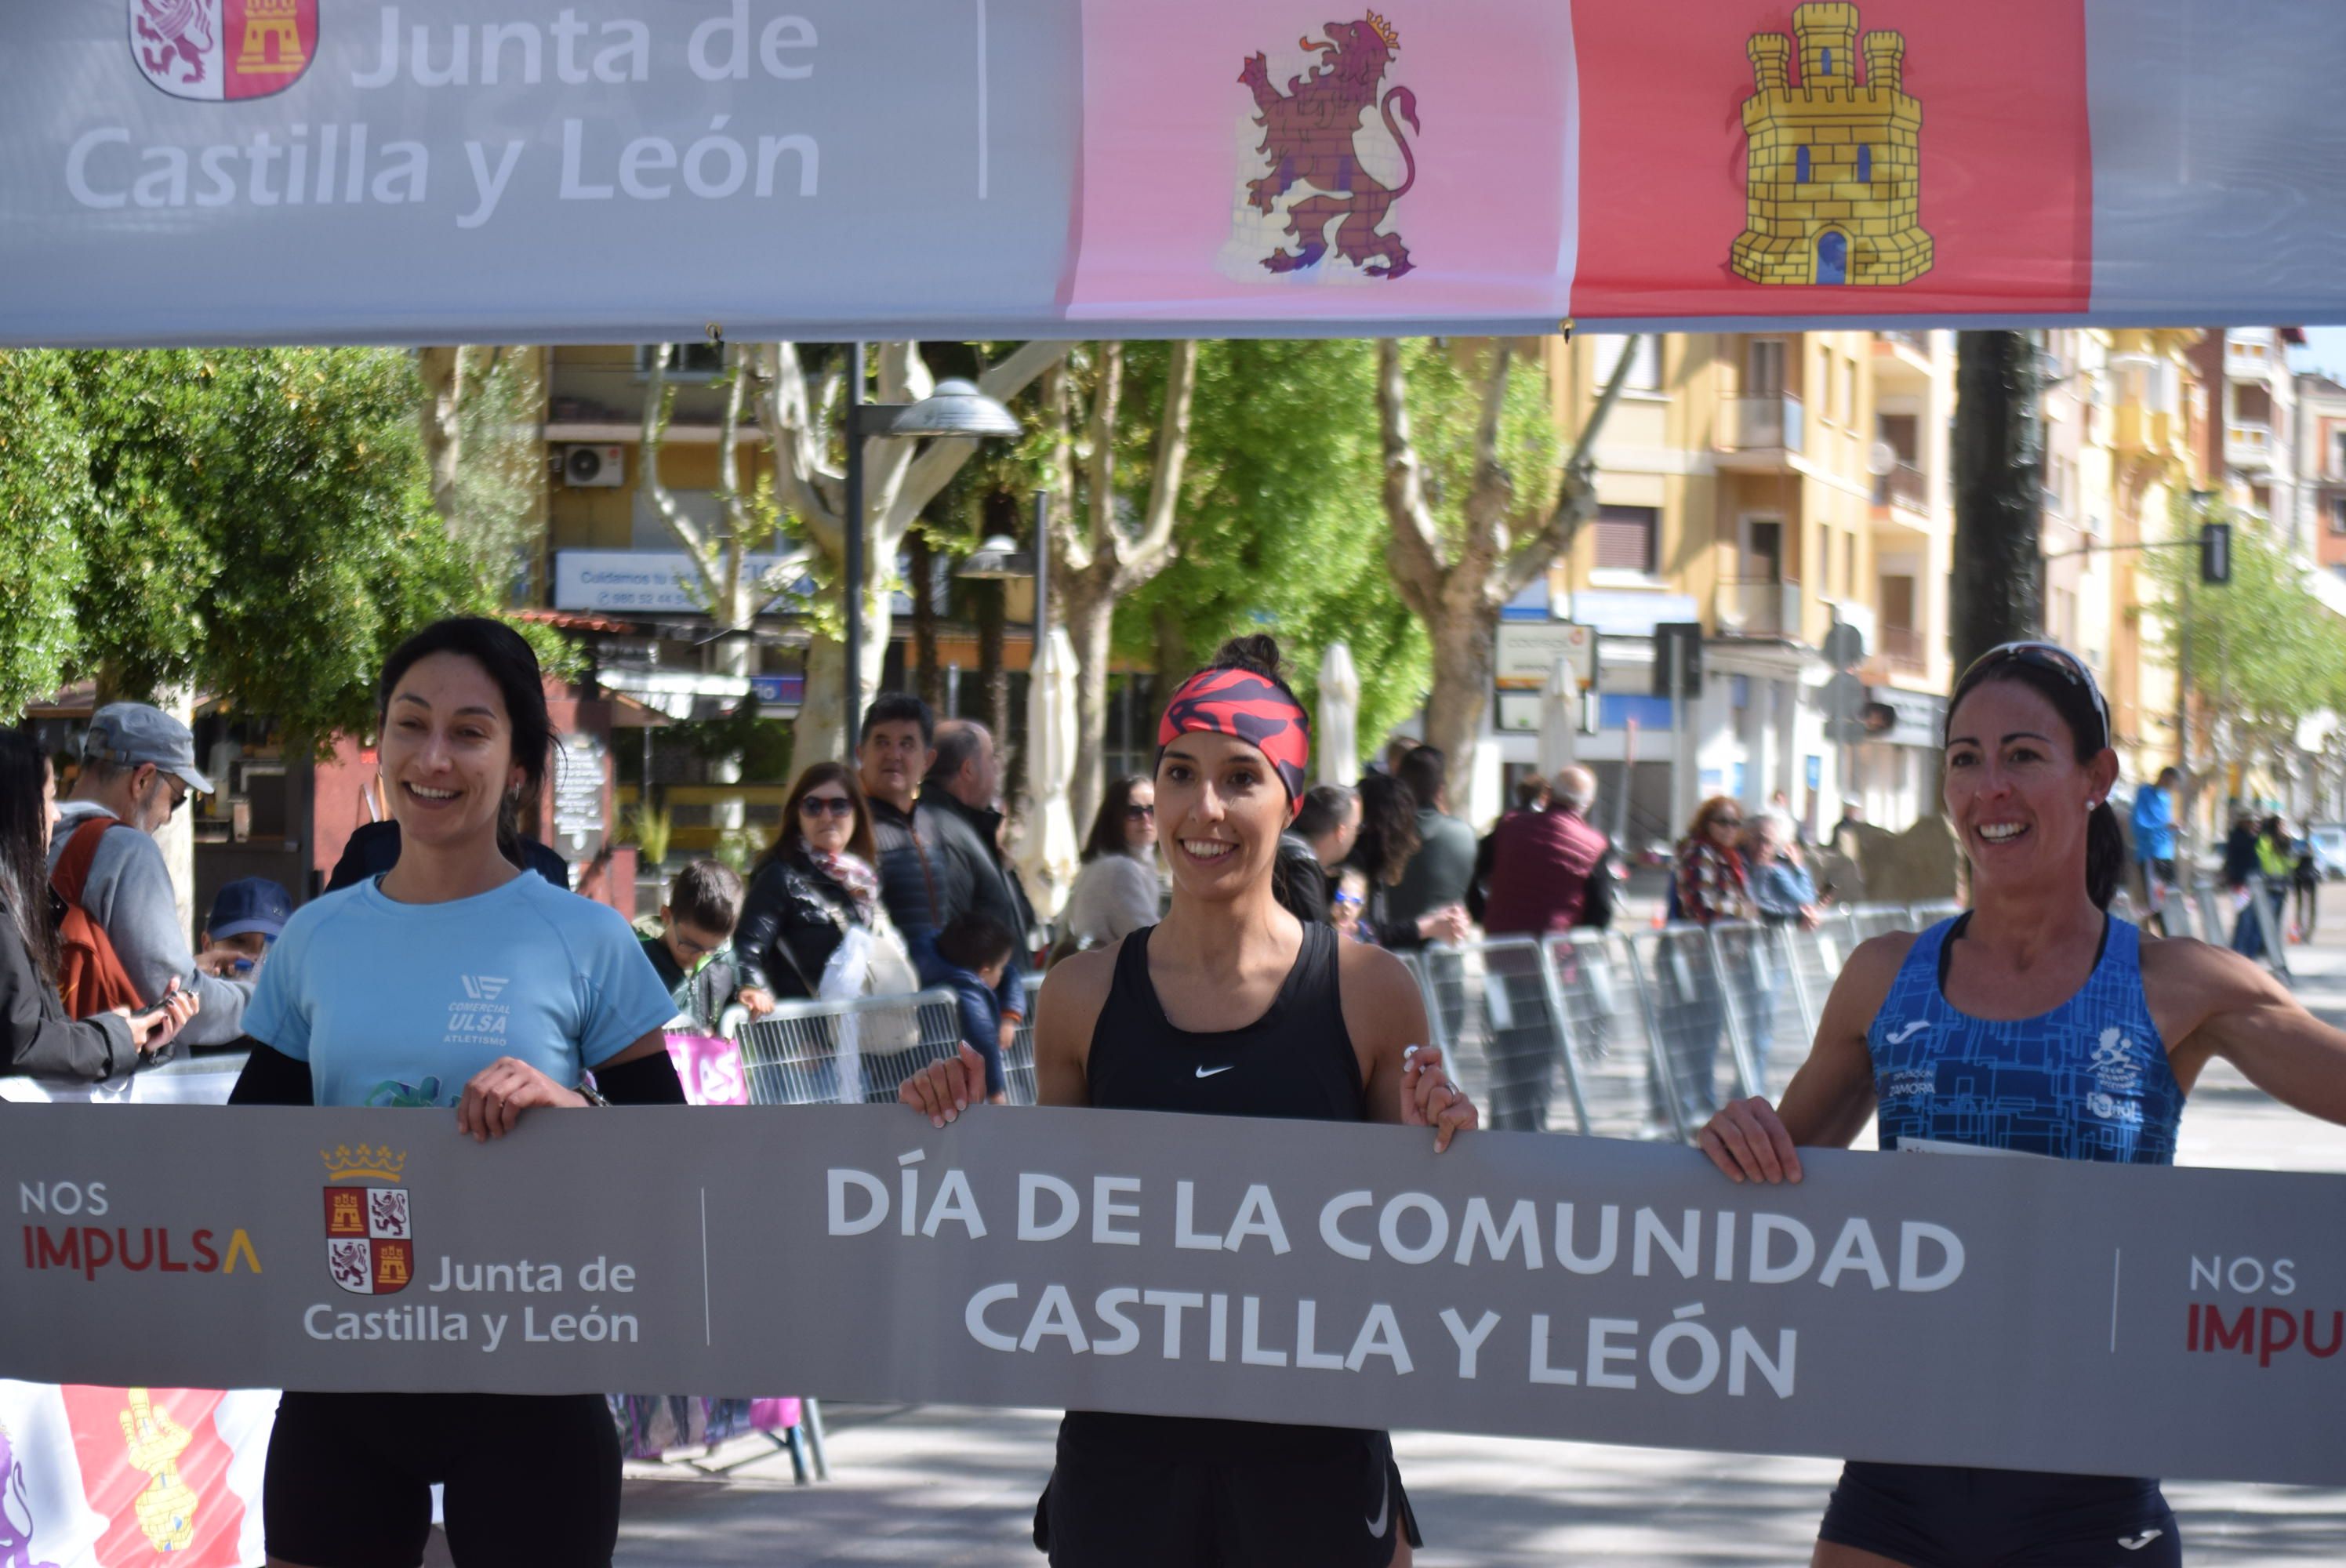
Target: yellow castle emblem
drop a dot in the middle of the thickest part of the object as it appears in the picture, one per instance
(1834, 191)
(272, 39)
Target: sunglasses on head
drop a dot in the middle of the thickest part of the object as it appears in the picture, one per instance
(826, 806)
(2042, 656)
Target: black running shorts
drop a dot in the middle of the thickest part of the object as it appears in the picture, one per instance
(1145, 1491)
(529, 1480)
(1936, 1516)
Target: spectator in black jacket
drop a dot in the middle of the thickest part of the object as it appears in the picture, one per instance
(694, 950)
(1312, 852)
(962, 784)
(40, 1038)
(813, 884)
(895, 748)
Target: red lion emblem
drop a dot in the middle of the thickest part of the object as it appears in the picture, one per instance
(180, 29)
(1308, 138)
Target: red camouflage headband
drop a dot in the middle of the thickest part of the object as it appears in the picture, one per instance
(1246, 707)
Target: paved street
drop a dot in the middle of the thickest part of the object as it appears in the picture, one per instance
(945, 1486)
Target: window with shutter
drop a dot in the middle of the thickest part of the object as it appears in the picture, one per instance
(1626, 538)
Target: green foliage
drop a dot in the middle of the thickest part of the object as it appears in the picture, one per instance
(2265, 652)
(500, 467)
(1445, 378)
(258, 525)
(45, 500)
(649, 828)
(1283, 527)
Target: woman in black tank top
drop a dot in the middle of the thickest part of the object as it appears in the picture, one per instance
(1229, 1007)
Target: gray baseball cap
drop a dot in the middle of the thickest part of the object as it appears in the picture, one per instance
(130, 733)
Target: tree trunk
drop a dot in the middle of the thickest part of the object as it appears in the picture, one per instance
(1174, 663)
(442, 369)
(1088, 617)
(1462, 649)
(993, 672)
(821, 733)
(929, 676)
(1999, 482)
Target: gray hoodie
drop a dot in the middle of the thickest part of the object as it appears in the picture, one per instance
(129, 894)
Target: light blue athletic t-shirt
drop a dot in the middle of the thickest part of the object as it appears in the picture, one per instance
(400, 1004)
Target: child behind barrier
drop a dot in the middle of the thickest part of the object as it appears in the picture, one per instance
(693, 952)
(976, 950)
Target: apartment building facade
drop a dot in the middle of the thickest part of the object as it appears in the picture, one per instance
(1764, 485)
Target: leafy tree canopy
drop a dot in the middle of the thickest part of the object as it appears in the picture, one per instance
(251, 521)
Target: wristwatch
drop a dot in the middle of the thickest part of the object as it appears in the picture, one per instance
(585, 1089)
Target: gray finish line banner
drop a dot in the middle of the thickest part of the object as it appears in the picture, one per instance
(2006, 1312)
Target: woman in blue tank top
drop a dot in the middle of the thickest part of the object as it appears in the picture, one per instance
(1229, 1006)
(2037, 1021)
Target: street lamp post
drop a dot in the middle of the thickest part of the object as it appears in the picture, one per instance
(957, 410)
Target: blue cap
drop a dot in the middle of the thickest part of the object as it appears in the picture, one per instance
(252, 903)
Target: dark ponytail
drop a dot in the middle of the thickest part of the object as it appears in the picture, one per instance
(2104, 856)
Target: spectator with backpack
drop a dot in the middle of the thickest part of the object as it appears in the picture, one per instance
(41, 1036)
(138, 766)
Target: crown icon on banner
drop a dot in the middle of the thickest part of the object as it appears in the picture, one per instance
(1385, 31)
(346, 1163)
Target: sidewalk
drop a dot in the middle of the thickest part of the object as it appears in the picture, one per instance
(937, 1485)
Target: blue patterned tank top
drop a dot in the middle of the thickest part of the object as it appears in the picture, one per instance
(2087, 1081)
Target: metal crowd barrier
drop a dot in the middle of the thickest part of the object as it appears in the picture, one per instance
(1763, 1008)
(1688, 1016)
(1018, 1066)
(1609, 1052)
(846, 1053)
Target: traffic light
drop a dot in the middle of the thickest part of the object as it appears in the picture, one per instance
(1677, 643)
(2216, 552)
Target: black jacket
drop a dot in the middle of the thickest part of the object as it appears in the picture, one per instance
(792, 920)
(373, 848)
(972, 860)
(968, 838)
(40, 1037)
(1302, 883)
(922, 888)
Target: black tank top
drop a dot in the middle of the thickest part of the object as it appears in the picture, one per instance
(1295, 1061)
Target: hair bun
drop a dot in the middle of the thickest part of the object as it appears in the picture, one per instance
(1259, 653)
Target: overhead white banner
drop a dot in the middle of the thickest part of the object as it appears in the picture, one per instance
(433, 170)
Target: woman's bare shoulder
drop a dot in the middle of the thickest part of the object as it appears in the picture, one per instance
(1075, 990)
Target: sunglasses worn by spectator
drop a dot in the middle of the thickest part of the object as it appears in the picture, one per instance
(1140, 813)
(826, 806)
(2043, 656)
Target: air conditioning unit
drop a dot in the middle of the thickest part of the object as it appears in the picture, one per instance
(593, 467)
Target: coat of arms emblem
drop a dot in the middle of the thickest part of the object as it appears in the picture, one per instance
(369, 1233)
(218, 50)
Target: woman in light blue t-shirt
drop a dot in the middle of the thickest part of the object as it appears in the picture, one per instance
(455, 980)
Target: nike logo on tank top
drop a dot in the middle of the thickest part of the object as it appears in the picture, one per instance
(1294, 1061)
(2087, 1081)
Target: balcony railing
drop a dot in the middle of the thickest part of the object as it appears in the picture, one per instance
(1758, 606)
(1761, 423)
(1904, 485)
(2248, 441)
(1902, 649)
(1918, 341)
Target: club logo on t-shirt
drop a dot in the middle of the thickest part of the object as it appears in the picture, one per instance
(479, 1018)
